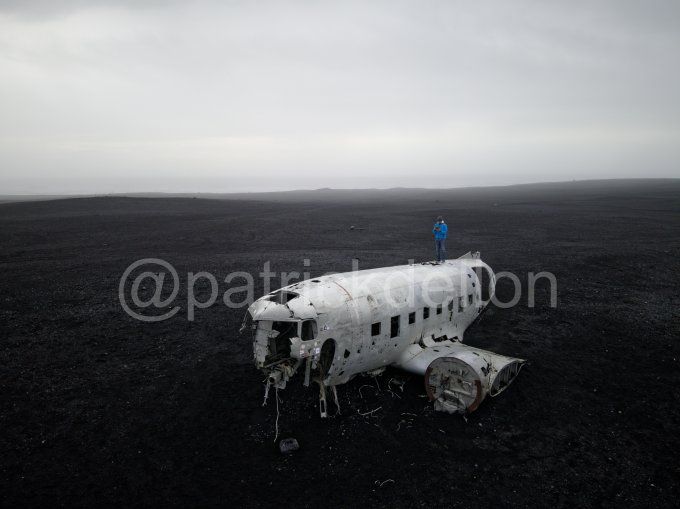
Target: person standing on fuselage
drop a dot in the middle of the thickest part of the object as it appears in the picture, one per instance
(439, 231)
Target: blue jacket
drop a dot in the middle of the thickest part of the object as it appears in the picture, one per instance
(440, 230)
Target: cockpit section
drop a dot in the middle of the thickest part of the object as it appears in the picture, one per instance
(281, 347)
(279, 336)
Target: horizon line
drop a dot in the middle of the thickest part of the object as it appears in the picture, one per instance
(283, 191)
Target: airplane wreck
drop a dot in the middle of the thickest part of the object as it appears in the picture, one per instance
(331, 328)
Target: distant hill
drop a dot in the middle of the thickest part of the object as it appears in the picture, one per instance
(9, 198)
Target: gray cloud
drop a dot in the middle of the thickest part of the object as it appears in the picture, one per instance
(214, 96)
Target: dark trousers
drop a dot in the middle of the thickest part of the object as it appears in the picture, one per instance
(440, 249)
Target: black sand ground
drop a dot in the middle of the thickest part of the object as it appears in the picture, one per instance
(97, 408)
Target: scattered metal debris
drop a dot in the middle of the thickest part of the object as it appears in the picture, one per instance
(288, 445)
(399, 383)
(276, 395)
(381, 484)
(369, 413)
(266, 393)
(361, 388)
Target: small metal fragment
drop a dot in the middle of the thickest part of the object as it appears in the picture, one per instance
(288, 445)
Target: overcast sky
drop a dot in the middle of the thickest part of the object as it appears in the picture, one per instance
(120, 96)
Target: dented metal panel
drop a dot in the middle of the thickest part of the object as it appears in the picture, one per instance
(458, 377)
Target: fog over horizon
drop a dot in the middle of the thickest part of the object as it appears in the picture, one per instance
(150, 96)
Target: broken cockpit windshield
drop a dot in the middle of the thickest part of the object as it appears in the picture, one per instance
(282, 297)
(276, 336)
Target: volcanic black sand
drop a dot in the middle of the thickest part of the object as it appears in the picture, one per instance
(99, 408)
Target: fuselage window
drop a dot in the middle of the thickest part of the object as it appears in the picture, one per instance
(470, 299)
(412, 318)
(460, 304)
(375, 329)
(308, 330)
(426, 313)
(439, 309)
(394, 326)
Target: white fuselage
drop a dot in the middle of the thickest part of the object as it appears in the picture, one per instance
(337, 326)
